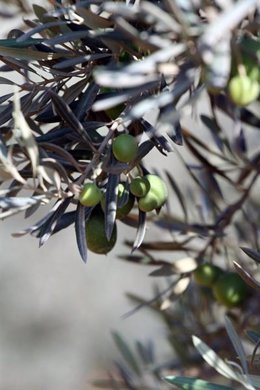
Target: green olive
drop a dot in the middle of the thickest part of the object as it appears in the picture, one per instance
(97, 241)
(230, 290)
(139, 186)
(243, 90)
(148, 202)
(156, 196)
(90, 195)
(206, 274)
(125, 147)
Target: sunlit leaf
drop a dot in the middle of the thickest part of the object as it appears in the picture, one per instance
(187, 383)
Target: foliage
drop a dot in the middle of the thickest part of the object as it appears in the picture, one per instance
(90, 71)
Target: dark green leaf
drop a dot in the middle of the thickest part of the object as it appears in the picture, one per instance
(251, 253)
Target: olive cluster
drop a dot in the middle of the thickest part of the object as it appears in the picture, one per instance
(227, 287)
(150, 191)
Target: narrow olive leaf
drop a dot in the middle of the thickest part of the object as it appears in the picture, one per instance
(165, 270)
(222, 26)
(66, 156)
(111, 100)
(247, 277)
(31, 210)
(146, 351)
(216, 362)
(38, 224)
(178, 194)
(80, 229)
(126, 375)
(158, 140)
(40, 28)
(236, 341)
(163, 246)
(215, 131)
(255, 358)
(251, 253)
(161, 16)
(86, 100)
(253, 336)
(28, 54)
(175, 132)
(11, 202)
(24, 135)
(13, 42)
(3, 98)
(49, 226)
(7, 168)
(66, 37)
(255, 380)
(73, 91)
(186, 383)
(126, 352)
(80, 60)
(143, 150)
(143, 260)
(111, 204)
(93, 20)
(203, 160)
(65, 112)
(6, 81)
(140, 230)
(65, 221)
(245, 171)
(218, 71)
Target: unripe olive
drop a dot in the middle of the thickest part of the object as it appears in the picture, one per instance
(90, 195)
(207, 274)
(139, 186)
(148, 202)
(96, 238)
(125, 147)
(156, 196)
(230, 290)
(243, 90)
(158, 186)
(125, 209)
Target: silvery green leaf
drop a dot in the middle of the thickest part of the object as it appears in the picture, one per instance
(10, 202)
(246, 276)
(217, 363)
(140, 230)
(235, 339)
(111, 204)
(222, 26)
(48, 227)
(7, 168)
(24, 135)
(186, 383)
